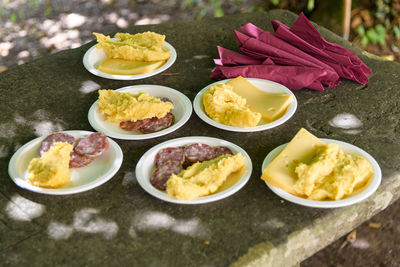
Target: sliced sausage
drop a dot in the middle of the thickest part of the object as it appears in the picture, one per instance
(133, 125)
(163, 172)
(157, 124)
(78, 161)
(198, 152)
(222, 150)
(169, 154)
(55, 137)
(92, 145)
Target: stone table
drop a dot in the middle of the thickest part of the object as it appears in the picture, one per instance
(119, 223)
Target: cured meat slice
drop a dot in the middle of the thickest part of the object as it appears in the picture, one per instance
(157, 124)
(55, 137)
(198, 152)
(169, 154)
(222, 150)
(133, 125)
(148, 125)
(163, 172)
(78, 161)
(166, 99)
(92, 145)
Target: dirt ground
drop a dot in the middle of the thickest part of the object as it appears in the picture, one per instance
(33, 28)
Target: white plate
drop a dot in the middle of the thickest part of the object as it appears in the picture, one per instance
(96, 173)
(264, 85)
(145, 168)
(93, 57)
(357, 196)
(182, 111)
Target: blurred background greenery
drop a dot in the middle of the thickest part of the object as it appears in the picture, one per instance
(32, 28)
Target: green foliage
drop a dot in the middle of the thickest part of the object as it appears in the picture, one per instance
(386, 22)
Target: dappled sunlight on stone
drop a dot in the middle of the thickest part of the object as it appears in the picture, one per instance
(129, 178)
(22, 209)
(348, 122)
(270, 224)
(46, 127)
(7, 130)
(155, 220)
(87, 221)
(88, 87)
(59, 231)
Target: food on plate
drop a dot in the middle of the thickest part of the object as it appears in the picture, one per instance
(239, 103)
(136, 112)
(312, 169)
(55, 137)
(125, 67)
(203, 178)
(131, 54)
(271, 106)
(85, 150)
(51, 170)
(223, 105)
(198, 169)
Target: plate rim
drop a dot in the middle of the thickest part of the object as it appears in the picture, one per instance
(64, 191)
(89, 67)
(202, 115)
(367, 192)
(188, 109)
(148, 188)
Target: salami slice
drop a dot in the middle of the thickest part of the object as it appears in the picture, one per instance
(92, 145)
(78, 161)
(198, 152)
(148, 125)
(163, 172)
(157, 124)
(55, 137)
(169, 154)
(166, 99)
(222, 150)
(133, 125)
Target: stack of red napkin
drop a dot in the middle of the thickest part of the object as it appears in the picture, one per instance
(297, 57)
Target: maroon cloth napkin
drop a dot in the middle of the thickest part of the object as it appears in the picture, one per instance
(331, 78)
(303, 28)
(296, 57)
(293, 77)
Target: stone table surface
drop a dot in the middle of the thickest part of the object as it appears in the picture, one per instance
(119, 223)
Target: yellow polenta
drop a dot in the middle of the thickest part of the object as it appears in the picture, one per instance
(204, 178)
(52, 169)
(223, 105)
(147, 46)
(118, 106)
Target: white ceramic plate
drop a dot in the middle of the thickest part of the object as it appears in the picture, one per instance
(182, 111)
(93, 57)
(95, 174)
(357, 196)
(264, 85)
(145, 168)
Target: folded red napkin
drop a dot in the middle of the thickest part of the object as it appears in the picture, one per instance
(297, 57)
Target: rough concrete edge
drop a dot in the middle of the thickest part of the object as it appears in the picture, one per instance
(302, 244)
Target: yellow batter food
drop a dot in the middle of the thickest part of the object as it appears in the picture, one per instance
(51, 170)
(119, 106)
(223, 105)
(332, 174)
(309, 168)
(147, 46)
(204, 178)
